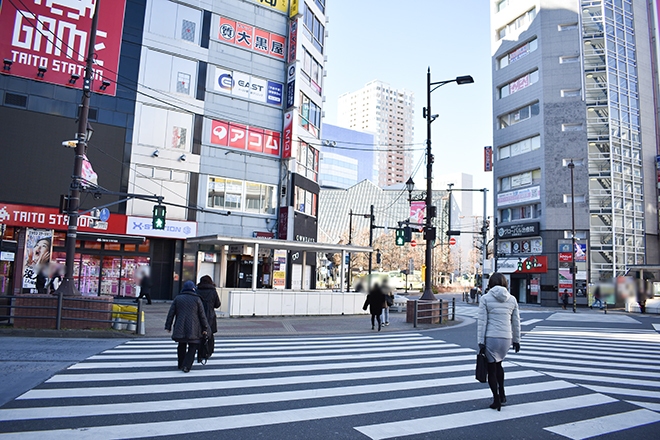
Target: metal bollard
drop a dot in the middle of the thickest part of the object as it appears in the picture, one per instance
(415, 314)
(453, 309)
(139, 327)
(605, 307)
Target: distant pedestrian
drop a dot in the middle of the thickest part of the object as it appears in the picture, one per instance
(190, 324)
(597, 299)
(206, 290)
(389, 302)
(564, 299)
(374, 301)
(498, 328)
(145, 285)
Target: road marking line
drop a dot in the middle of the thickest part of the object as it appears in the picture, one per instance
(531, 321)
(604, 379)
(647, 405)
(605, 425)
(189, 426)
(596, 371)
(472, 418)
(657, 327)
(623, 391)
(560, 356)
(288, 340)
(242, 399)
(523, 357)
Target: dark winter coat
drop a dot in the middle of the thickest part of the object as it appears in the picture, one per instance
(145, 285)
(190, 321)
(375, 300)
(211, 302)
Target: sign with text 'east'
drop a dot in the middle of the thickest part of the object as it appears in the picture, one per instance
(246, 86)
(47, 41)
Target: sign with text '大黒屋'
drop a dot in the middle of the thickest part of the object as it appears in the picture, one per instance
(251, 38)
(243, 137)
(47, 41)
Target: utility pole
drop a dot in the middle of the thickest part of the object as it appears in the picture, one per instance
(484, 231)
(68, 287)
(350, 235)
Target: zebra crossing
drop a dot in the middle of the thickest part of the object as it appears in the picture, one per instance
(373, 386)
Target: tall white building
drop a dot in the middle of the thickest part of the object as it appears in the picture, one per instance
(388, 113)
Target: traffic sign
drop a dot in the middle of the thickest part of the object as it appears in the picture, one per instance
(452, 241)
(413, 243)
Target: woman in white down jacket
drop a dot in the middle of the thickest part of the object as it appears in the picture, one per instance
(498, 328)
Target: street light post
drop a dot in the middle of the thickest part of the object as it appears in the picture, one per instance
(571, 166)
(428, 228)
(68, 287)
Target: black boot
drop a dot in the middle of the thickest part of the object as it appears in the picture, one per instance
(502, 398)
(496, 403)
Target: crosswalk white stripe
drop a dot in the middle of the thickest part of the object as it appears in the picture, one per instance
(647, 405)
(605, 424)
(614, 356)
(656, 326)
(313, 348)
(596, 342)
(601, 379)
(650, 349)
(530, 321)
(189, 426)
(471, 418)
(631, 337)
(526, 357)
(595, 329)
(303, 339)
(382, 350)
(573, 317)
(220, 361)
(623, 391)
(86, 391)
(242, 399)
(596, 371)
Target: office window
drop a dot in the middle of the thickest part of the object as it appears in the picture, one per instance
(518, 24)
(520, 147)
(239, 195)
(519, 84)
(518, 53)
(519, 115)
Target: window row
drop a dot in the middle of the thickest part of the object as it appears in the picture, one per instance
(520, 213)
(520, 147)
(518, 53)
(519, 180)
(310, 115)
(519, 84)
(313, 70)
(313, 29)
(240, 195)
(517, 24)
(519, 115)
(307, 161)
(305, 201)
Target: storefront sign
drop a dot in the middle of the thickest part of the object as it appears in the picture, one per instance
(488, 158)
(287, 133)
(251, 38)
(178, 229)
(293, 40)
(7, 256)
(245, 137)
(53, 36)
(535, 264)
(523, 230)
(243, 85)
(262, 234)
(519, 196)
(280, 5)
(50, 218)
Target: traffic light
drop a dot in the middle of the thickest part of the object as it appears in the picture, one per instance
(520, 265)
(158, 220)
(400, 240)
(407, 234)
(378, 257)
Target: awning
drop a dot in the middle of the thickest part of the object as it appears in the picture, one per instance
(266, 243)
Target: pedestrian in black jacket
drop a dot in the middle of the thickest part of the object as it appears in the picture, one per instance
(375, 300)
(145, 287)
(206, 290)
(189, 326)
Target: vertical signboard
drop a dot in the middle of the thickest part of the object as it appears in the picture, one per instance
(565, 262)
(36, 263)
(47, 41)
(287, 135)
(488, 158)
(417, 211)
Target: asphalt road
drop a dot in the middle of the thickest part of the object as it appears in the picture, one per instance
(577, 376)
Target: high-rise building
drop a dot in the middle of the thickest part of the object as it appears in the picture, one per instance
(573, 83)
(388, 113)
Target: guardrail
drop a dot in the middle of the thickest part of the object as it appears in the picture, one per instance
(34, 311)
(433, 313)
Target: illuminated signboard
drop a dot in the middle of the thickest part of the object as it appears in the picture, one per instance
(243, 137)
(251, 38)
(47, 41)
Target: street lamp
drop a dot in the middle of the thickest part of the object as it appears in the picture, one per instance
(410, 186)
(429, 231)
(571, 166)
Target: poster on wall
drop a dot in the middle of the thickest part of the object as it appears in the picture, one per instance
(36, 261)
(47, 41)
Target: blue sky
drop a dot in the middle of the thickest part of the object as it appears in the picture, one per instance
(395, 43)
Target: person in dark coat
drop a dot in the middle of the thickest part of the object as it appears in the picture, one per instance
(189, 326)
(145, 287)
(206, 291)
(375, 300)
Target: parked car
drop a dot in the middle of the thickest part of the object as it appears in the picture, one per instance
(400, 303)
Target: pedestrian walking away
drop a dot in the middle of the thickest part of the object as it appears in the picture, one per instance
(207, 291)
(374, 301)
(597, 299)
(389, 302)
(145, 285)
(190, 324)
(564, 299)
(498, 328)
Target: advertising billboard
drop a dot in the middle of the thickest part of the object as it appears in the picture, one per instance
(243, 137)
(47, 41)
(246, 86)
(251, 38)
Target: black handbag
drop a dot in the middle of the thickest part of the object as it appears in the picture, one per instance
(481, 372)
(205, 349)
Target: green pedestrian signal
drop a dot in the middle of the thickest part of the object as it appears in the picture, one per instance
(158, 220)
(400, 239)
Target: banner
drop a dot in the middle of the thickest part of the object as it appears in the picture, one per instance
(54, 35)
(417, 212)
(36, 262)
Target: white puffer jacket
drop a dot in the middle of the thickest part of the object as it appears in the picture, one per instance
(498, 316)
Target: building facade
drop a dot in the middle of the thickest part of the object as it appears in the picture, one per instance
(214, 107)
(387, 112)
(347, 157)
(573, 83)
